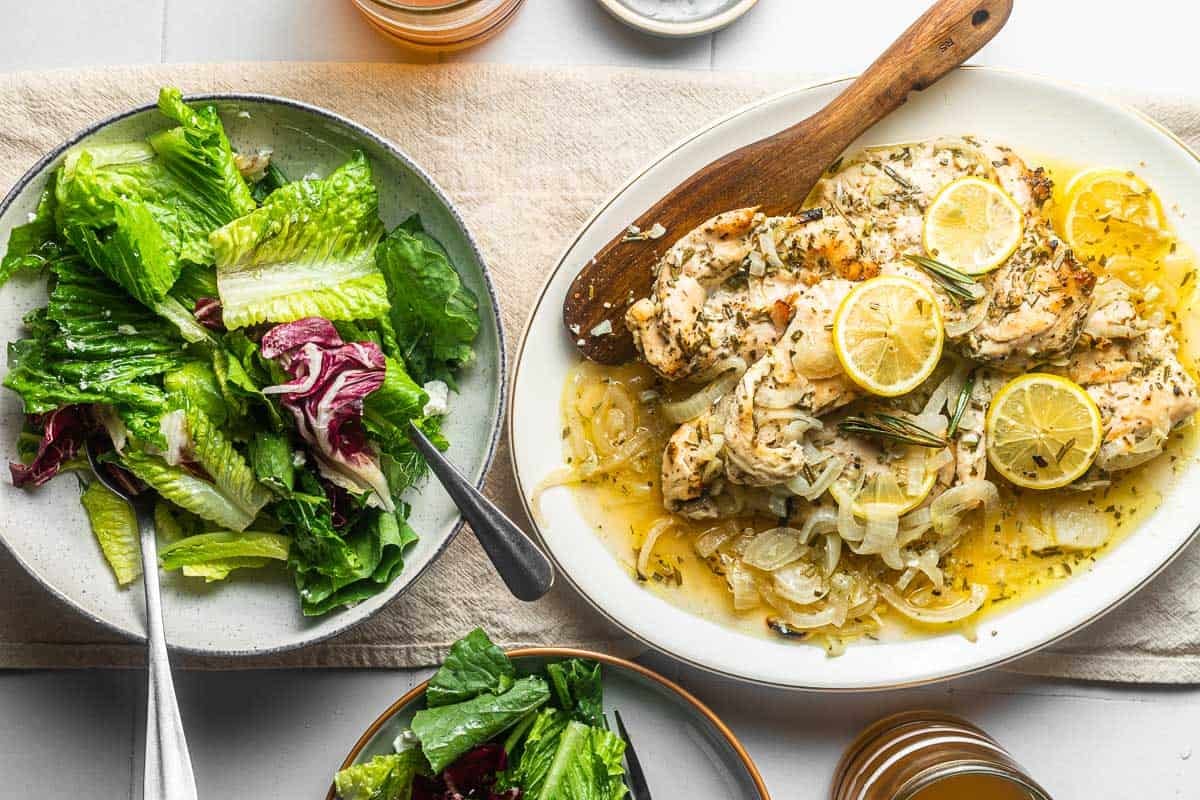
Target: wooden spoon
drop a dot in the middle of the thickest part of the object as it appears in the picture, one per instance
(775, 173)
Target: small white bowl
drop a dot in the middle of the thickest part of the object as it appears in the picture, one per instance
(725, 14)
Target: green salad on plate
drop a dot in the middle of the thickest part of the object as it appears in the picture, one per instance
(488, 733)
(250, 347)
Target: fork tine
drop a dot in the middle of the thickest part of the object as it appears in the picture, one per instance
(638, 788)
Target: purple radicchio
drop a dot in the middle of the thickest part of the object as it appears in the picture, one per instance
(330, 378)
(207, 312)
(63, 433)
(472, 776)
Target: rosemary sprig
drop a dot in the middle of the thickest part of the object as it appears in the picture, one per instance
(964, 398)
(957, 283)
(896, 429)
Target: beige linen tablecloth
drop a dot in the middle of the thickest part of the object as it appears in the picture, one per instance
(527, 154)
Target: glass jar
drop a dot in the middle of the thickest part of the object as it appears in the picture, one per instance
(439, 25)
(928, 755)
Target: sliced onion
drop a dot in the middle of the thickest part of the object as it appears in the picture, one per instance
(833, 553)
(773, 549)
(1077, 528)
(914, 524)
(695, 405)
(743, 586)
(880, 535)
(975, 315)
(766, 241)
(735, 364)
(848, 527)
(800, 583)
(788, 396)
(829, 473)
(822, 520)
(647, 548)
(757, 265)
(953, 612)
(708, 542)
(947, 507)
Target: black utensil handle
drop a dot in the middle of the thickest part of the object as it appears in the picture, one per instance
(523, 567)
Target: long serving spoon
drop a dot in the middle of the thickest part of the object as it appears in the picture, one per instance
(168, 772)
(523, 567)
(775, 173)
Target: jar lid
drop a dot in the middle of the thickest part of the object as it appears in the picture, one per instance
(677, 18)
(439, 24)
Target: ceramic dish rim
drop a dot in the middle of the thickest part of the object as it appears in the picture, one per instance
(497, 424)
(638, 175)
(677, 30)
(696, 703)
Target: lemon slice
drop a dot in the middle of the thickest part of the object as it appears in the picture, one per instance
(888, 334)
(1109, 213)
(891, 485)
(1043, 431)
(973, 225)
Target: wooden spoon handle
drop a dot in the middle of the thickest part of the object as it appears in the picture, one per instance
(945, 36)
(775, 173)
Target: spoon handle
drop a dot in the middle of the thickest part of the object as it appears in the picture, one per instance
(168, 773)
(522, 565)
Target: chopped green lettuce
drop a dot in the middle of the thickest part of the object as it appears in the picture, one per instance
(475, 665)
(384, 777)
(116, 529)
(232, 500)
(35, 244)
(214, 555)
(446, 732)
(307, 252)
(579, 690)
(271, 458)
(333, 569)
(563, 759)
(434, 317)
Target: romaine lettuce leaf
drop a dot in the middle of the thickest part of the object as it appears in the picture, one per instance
(385, 777)
(579, 690)
(214, 555)
(331, 569)
(474, 666)
(307, 252)
(271, 459)
(435, 318)
(116, 529)
(35, 244)
(446, 732)
(563, 759)
(197, 154)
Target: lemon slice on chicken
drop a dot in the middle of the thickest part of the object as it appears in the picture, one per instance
(1109, 213)
(1043, 431)
(888, 335)
(973, 226)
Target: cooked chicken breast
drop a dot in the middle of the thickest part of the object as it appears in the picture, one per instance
(1142, 390)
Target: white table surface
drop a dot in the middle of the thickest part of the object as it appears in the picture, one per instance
(280, 734)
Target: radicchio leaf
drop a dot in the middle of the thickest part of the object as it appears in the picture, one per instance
(472, 776)
(207, 312)
(330, 378)
(63, 433)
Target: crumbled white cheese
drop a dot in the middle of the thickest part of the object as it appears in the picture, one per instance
(575, 329)
(126, 330)
(439, 399)
(603, 329)
(657, 231)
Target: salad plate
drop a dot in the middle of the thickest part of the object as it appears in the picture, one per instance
(684, 748)
(1039, 119)
(257, 612)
